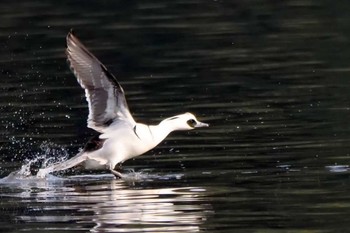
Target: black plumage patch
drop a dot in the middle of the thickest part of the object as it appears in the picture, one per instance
(111, 78)
(136, 132)
(192, 123)
(108, 122)
(173, 118)
(94, 143)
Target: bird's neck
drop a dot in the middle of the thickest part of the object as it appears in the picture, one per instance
(161, 131)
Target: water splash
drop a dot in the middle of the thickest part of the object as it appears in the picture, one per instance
(49, 154)
(145, 175)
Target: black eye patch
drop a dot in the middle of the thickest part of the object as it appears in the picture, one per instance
(192, 123)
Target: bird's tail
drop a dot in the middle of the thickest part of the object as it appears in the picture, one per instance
(77, 159)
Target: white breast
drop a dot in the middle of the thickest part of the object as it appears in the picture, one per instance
(123, 144)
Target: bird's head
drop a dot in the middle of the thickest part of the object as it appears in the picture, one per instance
(186, 121)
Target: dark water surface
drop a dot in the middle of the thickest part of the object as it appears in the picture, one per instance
(271, 78)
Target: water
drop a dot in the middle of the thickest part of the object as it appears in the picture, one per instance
(271, 78)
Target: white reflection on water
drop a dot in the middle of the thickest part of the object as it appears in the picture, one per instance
(338, 168)
(165, 209)
(109, 205)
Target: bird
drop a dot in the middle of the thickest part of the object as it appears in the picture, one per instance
(119, 137)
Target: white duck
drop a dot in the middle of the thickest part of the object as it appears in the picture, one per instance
(120, 138)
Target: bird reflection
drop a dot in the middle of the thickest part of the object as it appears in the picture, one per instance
(116, 206)
(155, 210)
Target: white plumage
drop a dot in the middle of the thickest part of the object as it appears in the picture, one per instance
(121, 138)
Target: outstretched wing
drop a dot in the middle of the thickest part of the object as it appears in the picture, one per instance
(105, 96)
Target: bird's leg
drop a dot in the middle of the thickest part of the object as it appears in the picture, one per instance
(117, 173)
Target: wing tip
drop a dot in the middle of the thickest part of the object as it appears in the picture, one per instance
(71, 33)
(70, 36)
